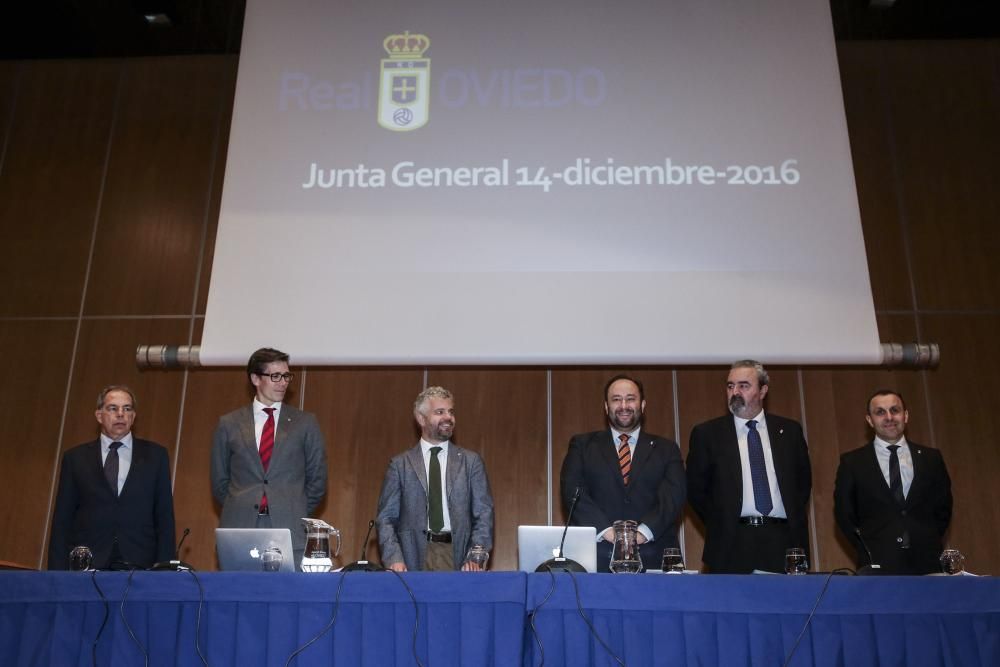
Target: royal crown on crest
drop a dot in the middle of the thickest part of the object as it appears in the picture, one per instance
(406, 45)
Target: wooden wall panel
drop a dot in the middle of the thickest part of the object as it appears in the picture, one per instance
(966, 428)
(51, 182)
(367, 418)
(210, 393)
(39, 368)
(9, 74)
(945, 105)
(157, 191)
(226, 83)
(505, 421)
(863, 78)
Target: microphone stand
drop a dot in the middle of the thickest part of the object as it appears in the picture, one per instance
(362, 565)
(872, 567)
(175, 565)
(561, 563)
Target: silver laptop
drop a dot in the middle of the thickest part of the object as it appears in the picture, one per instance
(537, 544)
(239, 549)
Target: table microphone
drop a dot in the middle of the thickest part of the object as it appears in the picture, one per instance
(173, 565)
(872, 567)
(561, 563)
(362, 565)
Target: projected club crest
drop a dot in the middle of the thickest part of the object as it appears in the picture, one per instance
(405, 83)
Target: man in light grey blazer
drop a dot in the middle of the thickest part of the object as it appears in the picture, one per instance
(418, 528)
(268, 459)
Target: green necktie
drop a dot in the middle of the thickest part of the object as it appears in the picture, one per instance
(434, 492)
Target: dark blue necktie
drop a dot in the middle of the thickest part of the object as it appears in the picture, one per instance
(111, 467)
(758, 470)
(895, 478)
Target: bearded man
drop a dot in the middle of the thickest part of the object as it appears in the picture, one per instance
(749, 479)
(622, 473)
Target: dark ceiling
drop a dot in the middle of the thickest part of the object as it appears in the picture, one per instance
(119, 28)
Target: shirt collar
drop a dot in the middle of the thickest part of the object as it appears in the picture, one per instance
(759, 418)
(258, 408)
(633, 436)
(879, 442)
(425, 446)
(106, 441)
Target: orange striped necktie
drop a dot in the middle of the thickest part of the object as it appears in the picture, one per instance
(624, 457)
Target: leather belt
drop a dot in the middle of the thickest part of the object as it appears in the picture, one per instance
(761, 520)
(438, 537)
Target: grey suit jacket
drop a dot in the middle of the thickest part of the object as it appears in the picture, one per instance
(295, 481)
(402, 507)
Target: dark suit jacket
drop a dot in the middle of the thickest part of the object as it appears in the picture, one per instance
(88, 513)
(654, 495)
(862, 500)
(295, 480)
(715, 480)
(402, 507)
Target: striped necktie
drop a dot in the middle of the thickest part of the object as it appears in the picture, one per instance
(624, 457)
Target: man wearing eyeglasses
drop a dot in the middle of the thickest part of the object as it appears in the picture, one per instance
(114, 494)
(268, 459)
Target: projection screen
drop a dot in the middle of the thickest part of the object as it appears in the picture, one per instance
(559, 182)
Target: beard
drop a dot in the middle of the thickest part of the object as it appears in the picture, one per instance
(444, 431)
(738, 406)
(626, 421)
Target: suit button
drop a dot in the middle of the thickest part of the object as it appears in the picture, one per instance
(899, 539)
(265, 481)
(902, 512)
(256, 507)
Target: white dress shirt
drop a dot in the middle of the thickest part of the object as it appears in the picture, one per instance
(124, 456)
(425, 447)
(749, 504)
(260, 417)
(882, 453)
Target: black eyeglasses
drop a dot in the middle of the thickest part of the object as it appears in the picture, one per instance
(278, 377)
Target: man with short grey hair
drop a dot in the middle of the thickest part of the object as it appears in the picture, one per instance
(435, 501)
(114, 494)
(749, 479)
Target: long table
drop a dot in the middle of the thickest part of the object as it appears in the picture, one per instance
(53, 618)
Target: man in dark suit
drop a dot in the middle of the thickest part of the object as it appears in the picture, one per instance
(624, 473)
(749, 479)
(894, 493)
(435, 501)
(268, 467)
(114, 494)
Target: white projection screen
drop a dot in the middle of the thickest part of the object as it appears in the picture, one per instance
(527, 182)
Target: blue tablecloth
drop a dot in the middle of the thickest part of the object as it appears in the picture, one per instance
(471, 619)
(260, 619)
(754, 620)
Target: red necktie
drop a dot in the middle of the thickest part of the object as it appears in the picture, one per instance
(624, 457)
(266, 448)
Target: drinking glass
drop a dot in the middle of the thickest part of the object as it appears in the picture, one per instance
(795, 561)
(271, 559)
(478, 556)
(672, 560)
(952, 561)
(80, 559)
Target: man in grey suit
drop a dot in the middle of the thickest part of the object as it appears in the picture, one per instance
(268, 459)
(423, 529)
